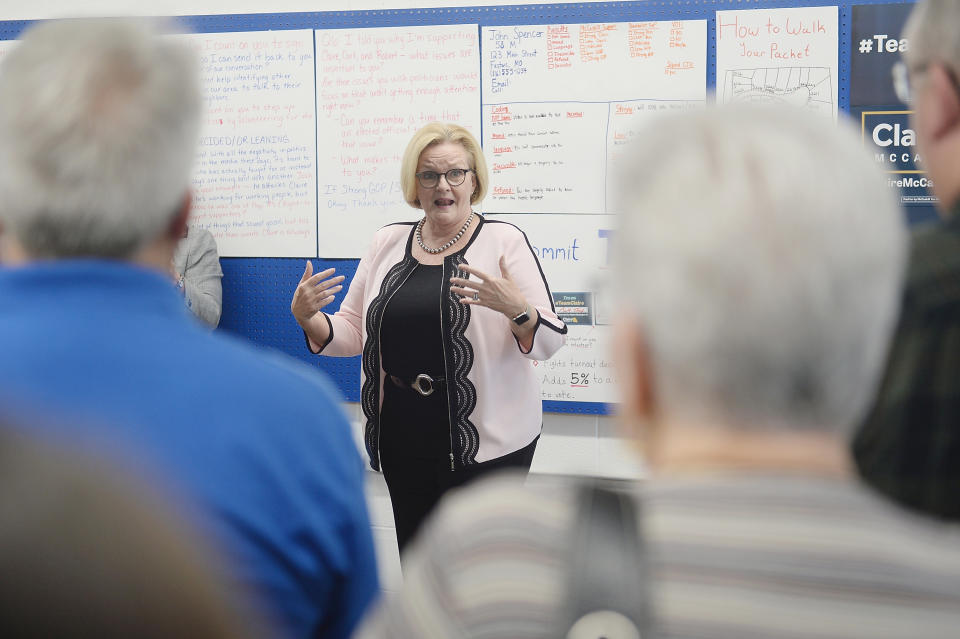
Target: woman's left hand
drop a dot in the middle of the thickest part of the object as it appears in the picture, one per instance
(498, 293)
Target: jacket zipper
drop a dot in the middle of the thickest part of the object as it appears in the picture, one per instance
(446, 372)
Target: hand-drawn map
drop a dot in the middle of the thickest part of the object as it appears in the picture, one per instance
(806, 87)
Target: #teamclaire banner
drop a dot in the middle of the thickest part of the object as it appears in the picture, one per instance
(877, 44)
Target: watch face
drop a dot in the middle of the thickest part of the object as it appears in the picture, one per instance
(522, 318)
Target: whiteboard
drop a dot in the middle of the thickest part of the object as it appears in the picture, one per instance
(5, 47)
(254, 181)
(561, 104)
(574, 253)
(780, 56)
(375, 88)
(561, 99)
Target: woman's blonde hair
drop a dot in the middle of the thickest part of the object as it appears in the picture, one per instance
(437, 133)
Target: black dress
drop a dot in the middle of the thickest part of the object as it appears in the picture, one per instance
(415, 433)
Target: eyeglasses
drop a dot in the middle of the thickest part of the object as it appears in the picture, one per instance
(901, 80)
(454, 177)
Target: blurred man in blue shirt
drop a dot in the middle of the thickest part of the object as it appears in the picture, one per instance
(98, 128)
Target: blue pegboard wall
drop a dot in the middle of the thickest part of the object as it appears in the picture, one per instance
(256, 305)
(257, 292)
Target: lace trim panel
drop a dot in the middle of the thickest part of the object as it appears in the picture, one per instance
(370, 392)
(462, 392)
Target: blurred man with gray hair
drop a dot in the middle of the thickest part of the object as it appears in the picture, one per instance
(909, 445)
(98, 128)
(758, 267)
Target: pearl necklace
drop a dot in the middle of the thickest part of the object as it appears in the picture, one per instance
(434, 251)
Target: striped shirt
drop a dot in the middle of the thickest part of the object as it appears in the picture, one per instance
(732, 556)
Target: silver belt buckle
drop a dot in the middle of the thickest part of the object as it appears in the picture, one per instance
(423, 384)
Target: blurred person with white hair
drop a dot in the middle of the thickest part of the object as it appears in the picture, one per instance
(99, 123)
(908, 447)
(758, 265)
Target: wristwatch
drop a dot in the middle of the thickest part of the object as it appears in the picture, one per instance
(523, 317)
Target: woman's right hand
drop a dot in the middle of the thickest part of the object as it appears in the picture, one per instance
(314, 292)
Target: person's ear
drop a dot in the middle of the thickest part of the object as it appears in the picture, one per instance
(11, 252)
(178, 225)
(944, 106)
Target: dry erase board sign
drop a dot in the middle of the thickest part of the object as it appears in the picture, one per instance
(255, 178)
(562, 100)
(573, 251)
(375, 88)
(582, 371)
(779, 56)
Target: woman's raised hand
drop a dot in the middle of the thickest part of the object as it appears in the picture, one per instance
(314, 292)
(498, 293)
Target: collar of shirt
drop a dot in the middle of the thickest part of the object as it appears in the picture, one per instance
(71, 285)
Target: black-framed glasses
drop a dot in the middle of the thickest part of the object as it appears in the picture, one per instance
(454, 177)
(901, 79)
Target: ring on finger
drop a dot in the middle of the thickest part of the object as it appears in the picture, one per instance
(476, 296)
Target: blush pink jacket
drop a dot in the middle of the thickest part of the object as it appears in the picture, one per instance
(492, 388)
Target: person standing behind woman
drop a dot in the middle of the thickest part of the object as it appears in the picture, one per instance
(447, 312)
(196, 270)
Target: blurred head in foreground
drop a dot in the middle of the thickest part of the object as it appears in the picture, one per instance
(83, 553)
(98, 129)
(758, 265)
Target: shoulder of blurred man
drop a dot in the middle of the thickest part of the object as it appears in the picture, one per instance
(908, 445)
(712, 542)
(934, 269)
(252, 435)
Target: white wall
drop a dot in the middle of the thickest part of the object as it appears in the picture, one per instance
(39, 9)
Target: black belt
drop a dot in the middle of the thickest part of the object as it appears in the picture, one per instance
(422, 383)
